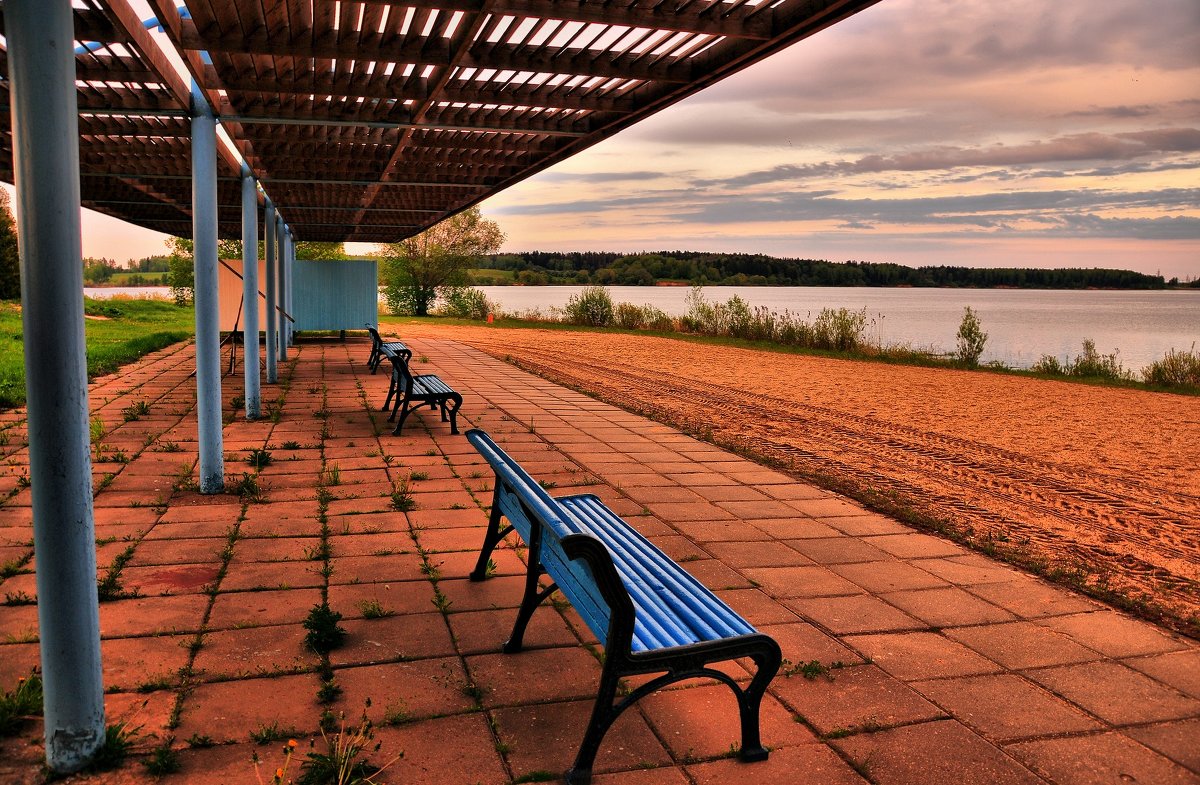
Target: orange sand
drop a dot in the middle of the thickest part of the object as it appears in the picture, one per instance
(1101, 482)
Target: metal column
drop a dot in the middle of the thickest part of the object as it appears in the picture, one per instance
(46, 150)
(208, 326)
(289, 243)
(251, 353)
(272, 281)
(285, 306)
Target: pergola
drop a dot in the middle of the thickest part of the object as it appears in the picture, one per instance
(348, 121)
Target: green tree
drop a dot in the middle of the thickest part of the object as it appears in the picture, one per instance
(181, 266)
(417, 270)
(312, 250)
(971, 339)
(10, 260)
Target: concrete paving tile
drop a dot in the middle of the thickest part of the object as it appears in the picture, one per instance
(545, 737)
(367, 523)
(232, 710)
(535, 675)
(421, 753)
(680, 548)
(864, 524)
(258, 576)
(149, 615)
(159, 552)
(143, 664)
(933, 752)
(408, 690)
(756, 607)
(379, 544)
(1174, 740)
(946, 607)
(853, 698)
(257, 608)
(392, 638)
(375, 568)
(1019, 645)
(1031, 598)
(1180, 670)
(1116, 694)
(679, 512)
(720, 531)
(714, 574)
(664, 775)
(837, 550)
(794, 528)
(828, 508)
(802, 643)
(257, 651)
(276, 549)
(443, 540)
(166, 579)
(1115, 634)
(495, 592)
(480, 632)
(803, 581)
(813, 763)
(889, 575)
(916, 545)
(910, 656)
(1005, 707)
(860, 613)
(970, 570)
(1100, 759)
(698, 723)
(398, 597)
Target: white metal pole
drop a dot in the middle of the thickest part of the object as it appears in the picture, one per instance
(45, 131)
(272, 282)
(290, 245)
(251, 353)
(208, 325)
(283, 279)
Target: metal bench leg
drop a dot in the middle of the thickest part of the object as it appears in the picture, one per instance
(604, 713)
(457, 399)
(767, 661)
(393, 389)
(490, 540)
(404, 412)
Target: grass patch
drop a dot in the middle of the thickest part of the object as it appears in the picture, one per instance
(130, 329)
(25, 700)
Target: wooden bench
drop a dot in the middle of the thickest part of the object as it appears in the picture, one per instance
(412, 390)
(381, 349)
(649, 613)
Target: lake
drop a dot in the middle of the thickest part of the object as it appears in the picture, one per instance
(1021, 324)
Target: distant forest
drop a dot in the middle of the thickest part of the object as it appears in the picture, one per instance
(721, 269)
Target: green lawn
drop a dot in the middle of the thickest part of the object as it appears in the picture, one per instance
(128, 330)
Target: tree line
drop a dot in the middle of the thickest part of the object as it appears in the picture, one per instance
(732, 269)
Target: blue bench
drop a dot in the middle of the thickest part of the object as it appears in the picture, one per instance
(412, 390)
(381, 349)
(649, 613)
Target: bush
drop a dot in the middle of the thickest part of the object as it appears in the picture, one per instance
(1049, 365)
(1176, 369)
(593, 307)
(629, 316)
(1093, 364)
(971, 339)
(466, 302)
(840, 330)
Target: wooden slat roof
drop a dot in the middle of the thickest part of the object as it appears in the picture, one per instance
(372, 120)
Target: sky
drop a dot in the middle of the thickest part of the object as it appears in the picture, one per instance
(1022, 133)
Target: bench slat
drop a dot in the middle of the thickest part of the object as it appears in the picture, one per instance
(670, 601)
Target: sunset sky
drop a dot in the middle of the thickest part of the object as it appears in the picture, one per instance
(1023, 133)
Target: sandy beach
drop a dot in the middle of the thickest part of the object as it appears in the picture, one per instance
(1098, 484)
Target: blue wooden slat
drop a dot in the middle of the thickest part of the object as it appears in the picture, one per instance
(335, 295)
(688, 597)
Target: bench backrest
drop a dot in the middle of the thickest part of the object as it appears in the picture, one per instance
(400, 367)
(571, 555)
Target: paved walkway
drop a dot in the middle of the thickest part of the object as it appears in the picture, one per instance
(936, 665)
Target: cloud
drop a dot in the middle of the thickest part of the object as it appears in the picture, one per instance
(603, 177)
(1064, 149)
